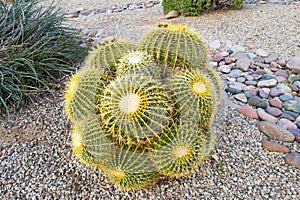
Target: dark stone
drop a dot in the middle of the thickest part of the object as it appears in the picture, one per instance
(292, 107)
(257, 102)
(289, 115)
(230, 51)
(286, 97)
(233, 90)
(267, 77)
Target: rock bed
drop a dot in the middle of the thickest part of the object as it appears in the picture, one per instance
(269, 85)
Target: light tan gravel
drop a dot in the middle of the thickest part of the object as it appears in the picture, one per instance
(275, 28)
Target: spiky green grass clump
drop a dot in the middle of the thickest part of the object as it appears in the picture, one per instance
(138, 62)
(81, 95)
(192, 95)
(175, 45)
(107, 54)
(130, 168)
(179, 150)
(36, 49)
(135, 109)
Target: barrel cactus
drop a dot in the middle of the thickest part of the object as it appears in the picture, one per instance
(175, 45)
(107, 54)
(144, 111)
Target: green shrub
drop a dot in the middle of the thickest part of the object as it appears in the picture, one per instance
(153, 115)
(195, 7)
(35, 49)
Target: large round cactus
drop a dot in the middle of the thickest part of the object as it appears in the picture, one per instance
(135, 109)
(138, 114)
(175, 45)
(130, 168)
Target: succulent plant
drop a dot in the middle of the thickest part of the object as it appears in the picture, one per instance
(82, 93)
(130, 168)
(138, 114)
(175, 45)
(107, 54)
(90, 142)
(135, 109)
(138, 62)
(192, 95)
(179, 150)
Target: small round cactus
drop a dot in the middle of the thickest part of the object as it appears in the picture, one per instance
(138, 62)
(179, 150)
(130, 168)
(82, 93)
(90, 143)
(175, 45)
(192, 95)
(135, 109)
(107, 54)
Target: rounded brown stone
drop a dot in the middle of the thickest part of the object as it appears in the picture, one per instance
(293, 159)
(248, 111)
(275, 131)
(274, 147)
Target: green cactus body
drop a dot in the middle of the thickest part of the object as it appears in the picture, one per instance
(216, 87)
(175, 45)
(138, 113)
(82, 93)
(107, 54)
(135, 109)
(179, 149)
(138, 62)
(130, 168)
(90, 143)
(208, 141)
(192, 95)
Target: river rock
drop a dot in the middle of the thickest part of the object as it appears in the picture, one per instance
(172, 14)
(293, 159)
(275, 131)
(257, 102)
(272, 57)
(274, 111)
(267, 83)
(243, 64)
(285, 123)
(248, 111)
(265, 116)
(262, 53)
(274, 147)
(276, 103)
(294, 64)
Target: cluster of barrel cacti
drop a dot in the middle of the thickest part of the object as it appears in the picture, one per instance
(141, 111)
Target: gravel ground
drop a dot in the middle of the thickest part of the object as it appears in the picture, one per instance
(35, 153)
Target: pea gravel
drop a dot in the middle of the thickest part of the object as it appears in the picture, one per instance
(36, 157)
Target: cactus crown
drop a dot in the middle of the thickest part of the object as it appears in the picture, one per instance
(141, 113)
